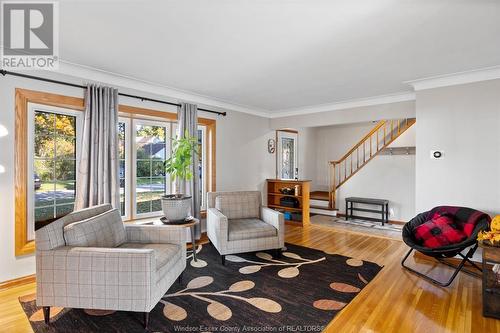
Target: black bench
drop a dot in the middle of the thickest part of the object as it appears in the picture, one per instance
(384, 204)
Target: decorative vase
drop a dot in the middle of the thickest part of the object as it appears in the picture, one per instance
(176, 207)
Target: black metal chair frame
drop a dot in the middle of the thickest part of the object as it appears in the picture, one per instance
(441, 253)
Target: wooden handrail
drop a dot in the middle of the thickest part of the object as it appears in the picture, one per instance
(366, 137)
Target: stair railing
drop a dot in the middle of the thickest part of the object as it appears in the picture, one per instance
(382, 135)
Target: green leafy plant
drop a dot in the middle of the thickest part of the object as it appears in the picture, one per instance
(178, 166)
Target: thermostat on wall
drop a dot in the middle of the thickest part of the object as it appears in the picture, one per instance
(437, 154)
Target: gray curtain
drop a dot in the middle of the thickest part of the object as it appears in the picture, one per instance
(98, 173)
(187, 117)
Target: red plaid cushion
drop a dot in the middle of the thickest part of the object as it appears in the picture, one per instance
(441, 230)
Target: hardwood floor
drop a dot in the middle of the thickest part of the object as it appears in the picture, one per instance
(395, 301)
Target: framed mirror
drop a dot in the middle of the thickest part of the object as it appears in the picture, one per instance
(287, 154)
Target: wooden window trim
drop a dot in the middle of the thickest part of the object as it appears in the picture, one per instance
(22, 98)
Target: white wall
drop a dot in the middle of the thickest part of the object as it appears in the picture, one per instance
(384, 177)
(242, 158)
(243, 162)
(348, 116)
(464, 122)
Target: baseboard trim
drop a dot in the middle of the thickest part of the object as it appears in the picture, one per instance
(17, 282)
(368, 218)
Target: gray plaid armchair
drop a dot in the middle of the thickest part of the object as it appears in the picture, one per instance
(237, 223)
(90, 259)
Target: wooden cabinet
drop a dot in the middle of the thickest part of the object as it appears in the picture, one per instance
(491, 281)
(295, 204)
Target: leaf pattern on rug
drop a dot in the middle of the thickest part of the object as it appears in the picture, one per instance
(174, 312)
(27, 298)
(354, 262)
(328, 304)
(38, 315)
(333, 305)
(362, 278)
(286, 273)
(344, 287)
(216, 309)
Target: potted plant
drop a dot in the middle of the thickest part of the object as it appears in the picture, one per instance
(177, 206)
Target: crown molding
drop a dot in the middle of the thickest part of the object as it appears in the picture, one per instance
(176, 95)
(477, 75)
(348, 104)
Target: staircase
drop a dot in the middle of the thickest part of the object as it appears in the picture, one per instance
(380, 137)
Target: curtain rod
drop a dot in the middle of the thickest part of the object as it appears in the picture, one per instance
(142, 98)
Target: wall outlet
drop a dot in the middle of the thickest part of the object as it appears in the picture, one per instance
(391, 211)
(437, 154)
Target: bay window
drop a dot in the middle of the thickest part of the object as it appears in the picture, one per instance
(48, 143)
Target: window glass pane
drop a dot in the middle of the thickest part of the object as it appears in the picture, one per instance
(44, 123)
(287, 167)
(65, 169)
(44, 214)
(200, 164)
(64, 210)
(121, 140)
(143, 202)
(143, 150)
(158, 169)
(65, 125)
(44, 146)
(44, 169)
(150, 175)
(122, 169)
(122, 197)
(122, 153)
(156, 200)
(158, 151)
(45, 195)
(54, 165)
(158, 184)
(144, 168)
(65, 192)
(65, 147)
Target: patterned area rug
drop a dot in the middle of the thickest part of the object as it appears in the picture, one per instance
(301, 291)
(359, 225)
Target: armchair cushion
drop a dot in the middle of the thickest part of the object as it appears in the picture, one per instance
(103, 230)
(441, 230)
(240, 229)
(238, 206)
(166, 255)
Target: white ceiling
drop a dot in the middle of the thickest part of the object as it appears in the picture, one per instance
(277, 55)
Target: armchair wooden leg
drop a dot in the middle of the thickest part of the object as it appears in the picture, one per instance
(46, 314)
(223, 259)
(145, 319)
(277, 253)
